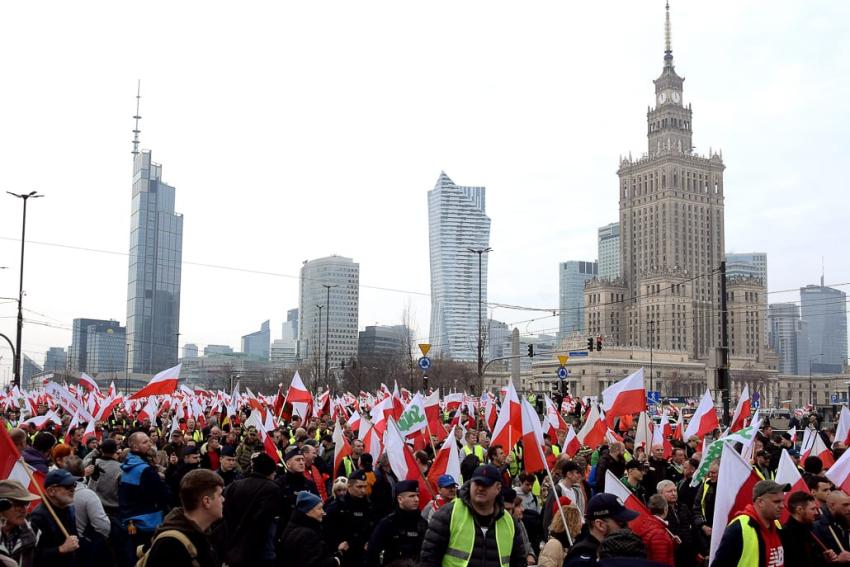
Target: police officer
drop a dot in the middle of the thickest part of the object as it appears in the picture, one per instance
(399, 535)
(350, 519)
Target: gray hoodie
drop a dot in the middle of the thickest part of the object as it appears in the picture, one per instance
(89, 511)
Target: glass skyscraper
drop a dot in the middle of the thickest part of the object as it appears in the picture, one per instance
(106, 349)
(257, 343)
(572, 276)
(609, 251)
(156, 251)
(457, 223)
(823, 311)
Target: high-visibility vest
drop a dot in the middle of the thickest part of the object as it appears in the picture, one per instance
(516, 467)
(750, 548)
(349, 466)
(462, 537)
(478, 450)
(556, 450)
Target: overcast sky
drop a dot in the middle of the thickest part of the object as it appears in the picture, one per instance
(294, 130)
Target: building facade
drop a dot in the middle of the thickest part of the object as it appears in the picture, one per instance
(289, 330)
(383, 341)
(787, 337)
(339, 320)
(55, 360)
(572, 277)
(608, 254)
(156, 253)
(750, 264)
(257, 344)
(218, 350)
(190, 351)
(283, 354)
(80, 349)
(457, 226)
(107, 349)
(823, 311)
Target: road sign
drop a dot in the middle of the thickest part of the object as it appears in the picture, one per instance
(562, 373)
(577, 353)
(424, 363)
(563, 358)
(834, 398)
(424, 347)
(653, 397)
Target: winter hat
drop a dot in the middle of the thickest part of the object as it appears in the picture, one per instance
(306, 501)
(262, 464)
(622, 543)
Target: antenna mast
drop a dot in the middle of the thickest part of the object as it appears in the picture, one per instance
(136, 130)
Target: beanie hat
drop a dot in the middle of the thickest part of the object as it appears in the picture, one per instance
(306, 501)
(262, 464)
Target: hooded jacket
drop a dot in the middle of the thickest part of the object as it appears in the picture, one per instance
(302, 543)
(142, 495)
(252, 508)
(36, 459)
(170, 551)
(485, 552)
(731, 546)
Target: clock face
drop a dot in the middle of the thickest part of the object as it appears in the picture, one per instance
(675, 97)
(661, 98)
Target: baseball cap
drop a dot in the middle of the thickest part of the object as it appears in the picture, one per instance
(446, 480)
(635, 464)
(769, 487)
(487, 475)
(14, 490)
(606, 505)
(59, 477)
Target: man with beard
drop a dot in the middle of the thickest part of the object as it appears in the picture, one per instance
(312, 472)
(399, 535)
(191, 460)
(250, 445)
(613, 461)
(657, 470)
(833, 527)
(350, 519)
(801, 550)
(676, 469)
(292, 482)
(17, 538)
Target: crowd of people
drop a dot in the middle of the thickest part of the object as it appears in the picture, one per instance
(146, 493)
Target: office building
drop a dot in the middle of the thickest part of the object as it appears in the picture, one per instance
(339, 321)
(608, 254)
(218, 350)
(190, 351)
(107, 349)
(290, 326)
(55, 360)
(156, 250)
(29, 369)
(378, 342)
(283, 354)
(79, 350)
(823, 311)
(786, 337)
(457, 226)
(572, 276)
(498, 340)
(257, 344)
(750, 264)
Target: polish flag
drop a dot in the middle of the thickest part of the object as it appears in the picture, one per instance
(354, 421)
(553, 422)
(661, 436)
(679, 432)
(398, 404)
(818, 449)
(643, 434)
(88, 383)
(41, 421)
(432, 414)
(163, 383)
(13, 467)
(742, 410)
(788, 473)
(842, 431)
(342, 448)
(453, 401)
(735, 483)
(839, 473)
(89, 433)
(532, 440)
(594, 430)
(446, 461)
(279, 400)
(268, 444)
(401, 459)
(704, 420)
(626, 397)
(630, 501)
(491, 412)
(508, 428)
(571, 443)
(149, 411)
(74, 422)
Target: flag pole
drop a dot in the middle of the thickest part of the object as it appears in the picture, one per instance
(557, 499)
(44, 498)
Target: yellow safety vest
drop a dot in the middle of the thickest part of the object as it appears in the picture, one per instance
(478, 450)
(750, 549)
(348, 464)
(462, 537)
(516, 467)
(556, 450)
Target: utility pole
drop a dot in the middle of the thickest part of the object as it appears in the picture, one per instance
(723, 363)
(480, 329)
(651, 325)
(17, 353)
(319, 354)
(327, 328)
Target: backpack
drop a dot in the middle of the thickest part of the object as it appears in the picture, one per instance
(179, 536)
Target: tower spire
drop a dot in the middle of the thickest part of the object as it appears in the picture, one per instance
(137, 117)
(668, 47)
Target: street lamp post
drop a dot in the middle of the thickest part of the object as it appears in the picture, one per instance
(18, 358)
(327, 328)
(480, 337)
(319, 354)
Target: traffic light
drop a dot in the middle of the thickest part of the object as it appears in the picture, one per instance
(342, 364)
(599, 343)
(425, 383)
(590, 344)
(530, 350)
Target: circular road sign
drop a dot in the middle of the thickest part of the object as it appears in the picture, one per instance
(562, 373)
(424, 363)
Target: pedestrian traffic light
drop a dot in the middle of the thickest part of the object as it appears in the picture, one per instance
(342, 364)
(425, 383)
(530, 350)
(599, 343)
(590, 344)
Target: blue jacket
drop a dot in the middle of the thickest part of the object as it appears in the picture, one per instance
(143, 496)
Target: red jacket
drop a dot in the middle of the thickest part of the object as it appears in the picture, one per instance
(659, 543)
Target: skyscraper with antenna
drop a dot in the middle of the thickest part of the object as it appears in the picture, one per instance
(156, 254)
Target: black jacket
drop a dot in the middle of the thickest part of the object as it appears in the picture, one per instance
(703, 514)
(485, 552)
(799, 545)
(169, 551)
(47, 548)
(382, 492)
(352, 520)
(252, 507)
(825, 535)
(583, 552)
(290, 485)
(302, 544)
(608, 463)
(398, 536)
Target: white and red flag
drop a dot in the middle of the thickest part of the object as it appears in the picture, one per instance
(630, 501)
(163, 383)
(13, 467)
(839, 472)
(491, 412)
(532, 440)
(552, 421)
(256, 420)
(626, 397)
(300, 398)
(788, 473)
(818, 449)
(643, 434)
(594, 430)
(401, 458)
(508, 428)
(371, 438)
(742, 410)
(453, 401)
(88, 383)
(342, 448)
(735, 482)
(432, 414)
(842, 430)
(704, 420)
(571, 442)
(447, 461)
(661, 435)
